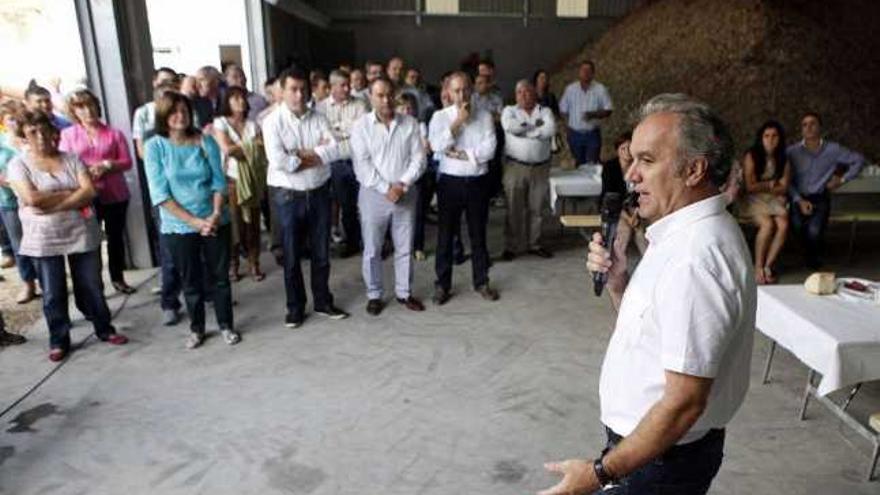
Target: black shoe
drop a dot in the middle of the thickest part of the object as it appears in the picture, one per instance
(332, 312)
(462, 258)
(488, 293)
(375, 306)
(441, 296)
(508, 255)
(543, 253)
(411, 303)
(293, 320)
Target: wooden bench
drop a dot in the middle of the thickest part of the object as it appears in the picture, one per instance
(581, 222)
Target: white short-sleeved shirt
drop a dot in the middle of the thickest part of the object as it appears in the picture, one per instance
(575, 101)
(251, 130)
(689, 308)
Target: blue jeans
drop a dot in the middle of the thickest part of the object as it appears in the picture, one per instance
(304, 217)
(682, 470)
(88, 286)
(812, 228)
(26, 269)
(585, 145)
(5, 242)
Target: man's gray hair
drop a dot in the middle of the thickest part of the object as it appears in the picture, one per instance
(525, 83)
(338, 76)
(701, 132)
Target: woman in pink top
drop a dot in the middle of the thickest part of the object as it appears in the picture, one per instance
(104, 151)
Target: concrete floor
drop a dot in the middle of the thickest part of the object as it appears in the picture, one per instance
(470, 398)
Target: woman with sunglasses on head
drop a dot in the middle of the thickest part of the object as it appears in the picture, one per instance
(104, 151)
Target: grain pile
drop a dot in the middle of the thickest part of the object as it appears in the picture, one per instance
(751, 60)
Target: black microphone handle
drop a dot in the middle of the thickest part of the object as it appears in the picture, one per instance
(609, 232)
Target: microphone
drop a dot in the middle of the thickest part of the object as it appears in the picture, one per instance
(612, 204)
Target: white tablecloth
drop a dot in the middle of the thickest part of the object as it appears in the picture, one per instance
(837, 337)
(584, 181)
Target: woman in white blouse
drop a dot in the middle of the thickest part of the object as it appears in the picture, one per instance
(241, 143)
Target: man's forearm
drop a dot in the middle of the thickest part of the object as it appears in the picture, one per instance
(663, 425)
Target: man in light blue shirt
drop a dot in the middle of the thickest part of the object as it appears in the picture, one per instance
(584, 104)
(818, 167)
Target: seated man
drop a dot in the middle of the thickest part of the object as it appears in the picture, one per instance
(816, 166)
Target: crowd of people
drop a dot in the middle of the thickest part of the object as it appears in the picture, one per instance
(353, 161)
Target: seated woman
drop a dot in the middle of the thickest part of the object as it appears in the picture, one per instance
(240, 141)
(104, 150)
(58, 221)
(767, 174)
(614, 170)
(186, 181)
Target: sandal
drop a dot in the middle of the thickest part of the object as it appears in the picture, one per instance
(231, 337)
(768, 275)
(234, 276)
(194, 340)
(28, 293)
(257, 274)
(124, 288)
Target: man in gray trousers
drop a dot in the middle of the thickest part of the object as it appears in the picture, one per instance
(388, 159)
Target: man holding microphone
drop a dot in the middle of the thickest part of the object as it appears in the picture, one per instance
(677, 366)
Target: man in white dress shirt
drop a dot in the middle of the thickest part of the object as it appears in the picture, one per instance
(389, 158)
(465, 140)
(584, 104)
(342, 111)
(528, 130)
(300, 146)
(677, 367)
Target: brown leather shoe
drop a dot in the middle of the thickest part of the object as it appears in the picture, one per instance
(488, 293)
(375, 306)
(412, 303)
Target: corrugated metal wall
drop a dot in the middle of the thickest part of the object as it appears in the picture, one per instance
(503, 8)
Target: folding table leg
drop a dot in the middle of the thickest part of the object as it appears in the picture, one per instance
(769, 362)
(852, 395)
(807, 391)
(873, 465)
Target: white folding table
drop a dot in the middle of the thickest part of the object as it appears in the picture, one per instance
(835, 336)
(583, 182)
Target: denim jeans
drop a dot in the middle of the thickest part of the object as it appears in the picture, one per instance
(304, 217)
(86, 276)
(170, 283)
(682, 470)
(195, 256)
(345, 190)
(26, 269)
(812, 228)
(457, 195)
(585, 145)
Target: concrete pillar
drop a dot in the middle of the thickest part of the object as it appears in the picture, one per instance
(119, 62)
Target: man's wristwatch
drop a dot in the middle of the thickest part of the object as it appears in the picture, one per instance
(606, 481)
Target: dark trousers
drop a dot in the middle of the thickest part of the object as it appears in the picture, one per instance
(457, 195)
(585, 145)
(170, 283)
(682, 470)
(345, 190)
(5, 242)
(113, 217)
(196, 256)
(85, 273)
(812, 228)
(305, 218)
(427, 186)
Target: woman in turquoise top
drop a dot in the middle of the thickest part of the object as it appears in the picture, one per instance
(186, 181)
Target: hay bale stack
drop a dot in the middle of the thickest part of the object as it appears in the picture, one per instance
(751, 60)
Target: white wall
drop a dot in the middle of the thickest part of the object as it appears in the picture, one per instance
(194, 30)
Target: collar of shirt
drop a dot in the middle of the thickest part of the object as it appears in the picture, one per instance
(288, 113)
(803, 144)
(395, 121)
(683, 217)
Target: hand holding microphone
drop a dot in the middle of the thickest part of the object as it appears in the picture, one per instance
(606, 259)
